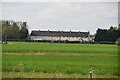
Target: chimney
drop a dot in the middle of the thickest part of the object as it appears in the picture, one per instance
(88, 36)
(48, 31)
(88, 32)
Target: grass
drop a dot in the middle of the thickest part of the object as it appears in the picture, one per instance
(20, 60)
(30, 47)
(65, 64)
(51, 75)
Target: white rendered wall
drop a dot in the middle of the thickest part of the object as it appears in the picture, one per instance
(59, 38)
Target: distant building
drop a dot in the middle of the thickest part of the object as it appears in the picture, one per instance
(60, 36)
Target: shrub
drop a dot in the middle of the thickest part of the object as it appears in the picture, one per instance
(118, 42)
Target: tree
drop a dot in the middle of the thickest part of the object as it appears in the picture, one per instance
(108, 34)
(14, 30)
(24, 31)
(101, 35)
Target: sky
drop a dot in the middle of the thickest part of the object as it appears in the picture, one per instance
(66, 16)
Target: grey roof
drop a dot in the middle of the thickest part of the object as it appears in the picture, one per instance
(59, 33)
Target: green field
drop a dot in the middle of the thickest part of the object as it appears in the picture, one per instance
(29, 47)
(31, 65)
(66, 64)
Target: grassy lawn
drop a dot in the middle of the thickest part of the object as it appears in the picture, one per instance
(31, 65)
(65, 64)
(29, 47)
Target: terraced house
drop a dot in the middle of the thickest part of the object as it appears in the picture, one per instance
(60, 36)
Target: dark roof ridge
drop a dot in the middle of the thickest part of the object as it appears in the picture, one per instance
(59, 33)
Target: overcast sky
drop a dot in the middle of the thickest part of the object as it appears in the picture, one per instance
(75, 16)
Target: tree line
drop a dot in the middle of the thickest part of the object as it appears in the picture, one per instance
(13, 30)
(110, 35)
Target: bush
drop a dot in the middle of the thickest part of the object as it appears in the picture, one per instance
(118, 42)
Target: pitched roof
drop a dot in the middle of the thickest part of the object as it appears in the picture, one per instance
(59, 33)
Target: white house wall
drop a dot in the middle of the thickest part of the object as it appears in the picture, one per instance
(39, 38)
(78, 39)
(52, 38)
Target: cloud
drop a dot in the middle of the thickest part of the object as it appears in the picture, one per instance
(63, 15)
(59, 0)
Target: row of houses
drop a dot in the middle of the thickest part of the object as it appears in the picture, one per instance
(60, 36)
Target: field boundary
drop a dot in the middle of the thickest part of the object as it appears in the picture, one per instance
(59, 54)
(53, 75)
